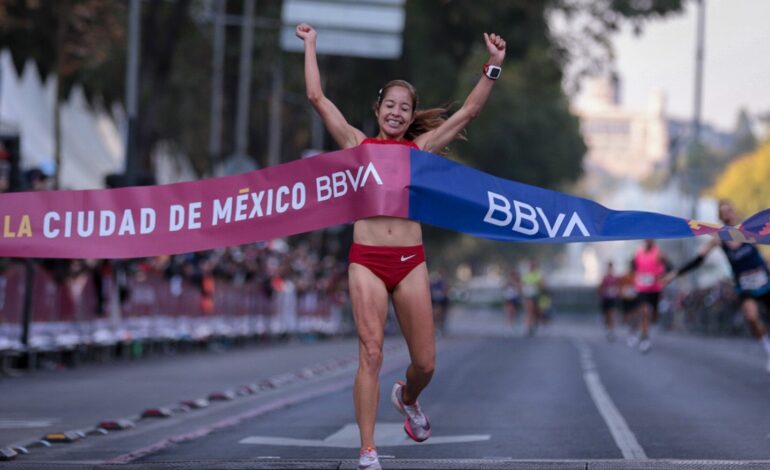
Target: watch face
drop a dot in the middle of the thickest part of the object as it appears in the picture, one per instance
(494, 72)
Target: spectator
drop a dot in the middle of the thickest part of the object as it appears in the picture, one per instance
(37, 180)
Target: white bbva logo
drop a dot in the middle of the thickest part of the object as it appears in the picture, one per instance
(527, 219)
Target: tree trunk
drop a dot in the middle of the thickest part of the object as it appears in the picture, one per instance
(160, 37)
(57, 144)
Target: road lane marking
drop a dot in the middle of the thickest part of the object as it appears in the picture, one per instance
(624, 438)
(27, 423)
(385, 434)
(291, 399)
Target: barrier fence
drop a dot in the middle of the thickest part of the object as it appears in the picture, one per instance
(94, 311)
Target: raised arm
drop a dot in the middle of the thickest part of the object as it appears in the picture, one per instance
(440, 137)
(343, 133)
(693, 263)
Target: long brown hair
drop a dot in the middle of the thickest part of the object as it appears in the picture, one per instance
(424, 119)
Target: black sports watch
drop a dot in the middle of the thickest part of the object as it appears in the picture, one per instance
(492, 71)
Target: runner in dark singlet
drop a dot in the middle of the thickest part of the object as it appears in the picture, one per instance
(750, 273)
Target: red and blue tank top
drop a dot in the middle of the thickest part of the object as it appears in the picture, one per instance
(374, 140)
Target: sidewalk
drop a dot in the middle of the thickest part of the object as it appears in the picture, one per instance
(59, 401)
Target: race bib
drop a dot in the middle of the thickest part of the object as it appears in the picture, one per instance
(645, 280)
(611, 292)
(753, 280)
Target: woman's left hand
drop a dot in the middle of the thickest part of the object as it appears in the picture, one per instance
(496, 48)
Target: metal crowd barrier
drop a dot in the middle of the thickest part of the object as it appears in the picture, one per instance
(159, 314)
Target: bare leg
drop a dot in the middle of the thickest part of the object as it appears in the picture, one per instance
(632, 319)
(611, 320)
(531, 315)
(370, 308)
(646, 314)
(750, 310)
(411, 298)
(512, 313)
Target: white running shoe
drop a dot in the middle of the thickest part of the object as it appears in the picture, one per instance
(368, 459)
(632, 341)
(645, 345)
(416, 424)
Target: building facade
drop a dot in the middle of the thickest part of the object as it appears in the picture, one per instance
(622, 143)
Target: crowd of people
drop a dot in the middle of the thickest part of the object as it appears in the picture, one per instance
(274, 289)
(285, 287)
(527, 291)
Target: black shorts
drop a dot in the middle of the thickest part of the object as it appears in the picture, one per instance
(608, 304)
(652, 299)
(628, 305)
(761, 298)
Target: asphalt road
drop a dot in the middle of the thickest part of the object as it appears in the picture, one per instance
(566, 398)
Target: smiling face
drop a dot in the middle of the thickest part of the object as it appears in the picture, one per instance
(395, 112)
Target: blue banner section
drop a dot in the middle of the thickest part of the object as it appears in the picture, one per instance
(758, 225)
(455, 197)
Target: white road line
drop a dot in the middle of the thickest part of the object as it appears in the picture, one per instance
(385, 434)
(26, 423)
(624, 438)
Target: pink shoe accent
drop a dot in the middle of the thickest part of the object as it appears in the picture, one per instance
(411, 434)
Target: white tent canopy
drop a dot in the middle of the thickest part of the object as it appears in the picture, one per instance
(92, 145)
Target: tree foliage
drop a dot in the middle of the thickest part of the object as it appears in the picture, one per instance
(73, 39)
(744, 181)
(582, 30)
(526, 132)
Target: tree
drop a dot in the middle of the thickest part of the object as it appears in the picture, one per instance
(527, 132)
(528, 117)
(581, 31)
(84, 41)
(744, 181)
(70, 38)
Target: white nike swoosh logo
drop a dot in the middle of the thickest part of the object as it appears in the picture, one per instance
(407, 258)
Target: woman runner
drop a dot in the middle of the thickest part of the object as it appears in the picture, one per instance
(387, 255)
(650, 265)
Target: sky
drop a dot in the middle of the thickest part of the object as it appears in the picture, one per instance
(736, 64)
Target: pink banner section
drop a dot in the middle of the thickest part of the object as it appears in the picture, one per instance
(301, 196)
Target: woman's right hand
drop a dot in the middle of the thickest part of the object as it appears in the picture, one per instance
(495, 47)
(305, 32)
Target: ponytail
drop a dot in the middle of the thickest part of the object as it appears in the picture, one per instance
(426, 120)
